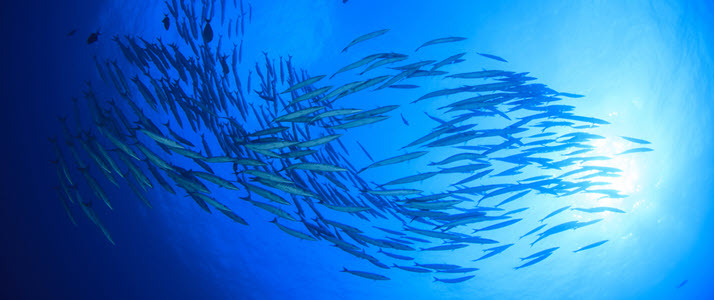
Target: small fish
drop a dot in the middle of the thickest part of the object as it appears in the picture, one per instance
(403, 86)
(600, 209)
(412, 269)
(395, 160)
(441, 41)
(365, 37)
(493, 57)
(593, 245)
(533, 231)
(166, 21)
(445, 247)
(207, 32)
(404, 120)
(683, 283)
(534, 261)
(93, 37)
(634, 140)
(396, 256)
(555, 212)
(454, 280)
(367, 275)
(303, 83)
(540, 253)
(635, 150)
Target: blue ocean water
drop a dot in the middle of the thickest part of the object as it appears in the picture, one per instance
(645, 66)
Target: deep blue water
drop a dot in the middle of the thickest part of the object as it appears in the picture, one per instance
(645, 66)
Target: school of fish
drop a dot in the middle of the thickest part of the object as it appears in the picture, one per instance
(279, 142)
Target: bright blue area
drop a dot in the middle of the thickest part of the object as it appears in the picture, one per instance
(644, 66)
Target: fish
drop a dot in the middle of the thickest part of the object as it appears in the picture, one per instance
(478, 74)
(441, 41)
(412, 178)
(454, 280)
(599, 209)
(412, 269)
(459, 157)
(447, 61)
(166, 21)
(460, 270)
(534, 261)
(293, 232)
(514, 197)
(161, 139)
(315, 167)
(439, 267)
(403, 86)
(445, 247)
(475, 240)
(396, 192)
(365, 37)
(533, 231)
(635, 140)
(304, 83)
(555, 212)
(265, 193)
(494, 251)
(395, 256)
(682, 283)
(372, 112)
(348, 209)
(395, 160)
(540, 253)
(404, 120)
(494, 57)
(635, 150)
(498, 225)
(367, 275)
(366, 60)
(271, 209)
(93, 38)
(207, 32)
(593, 245)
